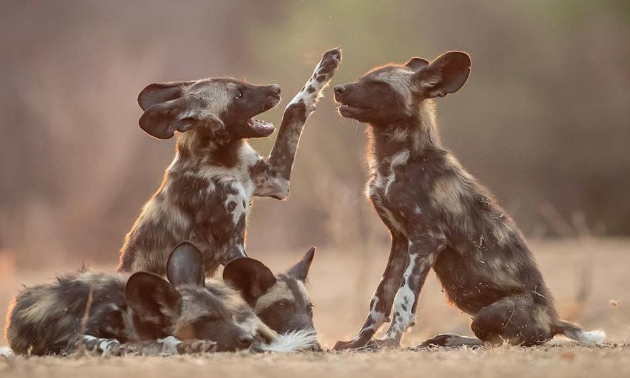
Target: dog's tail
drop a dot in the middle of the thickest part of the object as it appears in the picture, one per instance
(576, 333)
(5, 352)
(295, 341)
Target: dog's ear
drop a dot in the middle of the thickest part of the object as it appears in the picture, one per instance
(153, 299)
(161, 92)
(185, 266)
(416, 63)
(251, 277)
(446, 74)
(181, 114)
(300, 269)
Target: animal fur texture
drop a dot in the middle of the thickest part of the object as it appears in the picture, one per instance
(440, 217)
(207, 190)
(145, 314)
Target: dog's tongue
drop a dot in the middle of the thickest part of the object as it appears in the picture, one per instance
(259, 128)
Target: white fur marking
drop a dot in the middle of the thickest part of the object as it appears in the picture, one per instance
(169, 345)
(292, 342)
(404, 297)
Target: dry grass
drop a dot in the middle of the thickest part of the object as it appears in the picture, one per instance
(341, 285)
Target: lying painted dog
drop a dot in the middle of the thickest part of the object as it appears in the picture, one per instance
(145, 314)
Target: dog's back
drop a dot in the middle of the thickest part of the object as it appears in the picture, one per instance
(46, 319)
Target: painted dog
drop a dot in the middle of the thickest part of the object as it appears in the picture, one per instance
(441, 217)
(145, 314)
(206, 192)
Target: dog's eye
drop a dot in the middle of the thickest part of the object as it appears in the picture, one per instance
(209, 318)
(239, 95)
(282, 304)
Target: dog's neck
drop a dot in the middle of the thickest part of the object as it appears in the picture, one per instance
(195, 149)
(414, 136)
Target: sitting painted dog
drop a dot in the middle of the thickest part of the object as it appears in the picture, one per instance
(206, 192)
(145, 314)
(440, 217)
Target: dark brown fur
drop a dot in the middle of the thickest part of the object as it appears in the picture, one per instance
(206, 192)
(441, 217)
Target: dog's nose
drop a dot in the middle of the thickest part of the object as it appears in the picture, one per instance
(339, 89)
(245, 341)
(275, 88)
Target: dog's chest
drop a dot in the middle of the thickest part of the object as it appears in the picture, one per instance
(221, 216)
(378, 190)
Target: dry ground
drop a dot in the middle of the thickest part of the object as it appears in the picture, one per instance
(341, 284)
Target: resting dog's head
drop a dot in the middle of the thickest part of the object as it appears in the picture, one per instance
(392, 93)
(222, 109)
(281, 301)
(187, 307)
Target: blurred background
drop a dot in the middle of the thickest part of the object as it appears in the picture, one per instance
(543, 121)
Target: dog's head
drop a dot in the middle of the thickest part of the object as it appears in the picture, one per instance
(185, 308)
(392, 93)
(221, 109)
(281, 301)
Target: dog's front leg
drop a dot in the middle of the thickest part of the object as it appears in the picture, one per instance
(167, 346)
(272, 175)
(423, 251)
(383, 298)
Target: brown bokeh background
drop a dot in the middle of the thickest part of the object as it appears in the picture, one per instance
(543, 121)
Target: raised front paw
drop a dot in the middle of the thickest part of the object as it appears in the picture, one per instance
(195, 346)
(386, 343)
(303, 104)
(330, 61)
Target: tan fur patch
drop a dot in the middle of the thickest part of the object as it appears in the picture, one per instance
(399, 79)
(45, 304)
(279, 291)
(542, 318)
(448, 194)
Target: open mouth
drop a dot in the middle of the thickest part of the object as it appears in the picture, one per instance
(258, 128)
(350, 110)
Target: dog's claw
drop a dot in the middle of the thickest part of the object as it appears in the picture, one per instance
(196, 346)
(376, 344)
(355, 343)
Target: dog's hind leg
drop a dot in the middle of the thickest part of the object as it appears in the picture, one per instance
(383, 298)
(272, 175)
(516, 320)
(450, 340)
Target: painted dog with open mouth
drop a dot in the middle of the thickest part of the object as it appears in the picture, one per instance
(145, 314)
(206, 192)
(441, 217)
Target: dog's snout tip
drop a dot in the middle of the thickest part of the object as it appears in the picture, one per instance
(245, 341)
(275, 88)
(339, 89)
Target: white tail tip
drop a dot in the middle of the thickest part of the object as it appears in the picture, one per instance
(292, 342)
(592, 337)
(5, 351)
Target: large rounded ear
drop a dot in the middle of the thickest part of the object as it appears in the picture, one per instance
(251, 277)
(163, 119)
(446, 74)
(153, 299)
(157, 93)
(185, 266)
(300, 269)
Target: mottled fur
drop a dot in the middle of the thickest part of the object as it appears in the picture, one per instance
(206, 192)
(280, 301)
(441, 217)
(144, 313)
